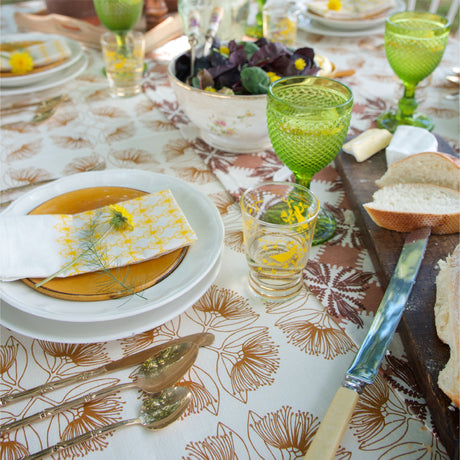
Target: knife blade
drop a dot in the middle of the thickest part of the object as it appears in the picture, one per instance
(201, 339)
(366, 364)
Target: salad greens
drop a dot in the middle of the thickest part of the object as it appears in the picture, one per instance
(246, 67)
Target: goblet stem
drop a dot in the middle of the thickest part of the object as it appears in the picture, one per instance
(304, 180)
(325, 223)
(407, 104)
(121, 40)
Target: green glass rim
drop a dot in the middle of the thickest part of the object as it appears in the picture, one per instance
(417, 14)
(313, 79)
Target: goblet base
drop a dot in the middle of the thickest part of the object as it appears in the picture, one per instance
(325, 227)
(391, 120)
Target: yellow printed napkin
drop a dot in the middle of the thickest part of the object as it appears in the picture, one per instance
(351, 9)
(42, 54)
(40, 245)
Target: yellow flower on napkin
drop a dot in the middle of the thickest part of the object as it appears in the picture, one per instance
(21, 57)
(119, 220)
(21, 62)
(125, 233)
(334, 5)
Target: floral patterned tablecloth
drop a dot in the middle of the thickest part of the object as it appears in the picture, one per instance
(261, 389)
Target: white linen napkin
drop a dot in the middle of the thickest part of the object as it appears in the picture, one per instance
(39, 245)
(44, 53)
(408, 140)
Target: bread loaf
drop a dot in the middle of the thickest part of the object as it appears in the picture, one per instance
(406, 207)
(426, 167)
(447, 318)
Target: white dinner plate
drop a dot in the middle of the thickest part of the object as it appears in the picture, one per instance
(198, 261)
(56, 79)
(316, 24)
(70, 332)
(76, 52)
(313, 27)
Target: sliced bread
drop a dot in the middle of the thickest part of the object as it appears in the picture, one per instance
(447, 319)
(406, 207)
(426, 167)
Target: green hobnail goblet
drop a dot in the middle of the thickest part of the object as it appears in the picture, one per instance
(308, 119)
(119, 16)
(414, 44)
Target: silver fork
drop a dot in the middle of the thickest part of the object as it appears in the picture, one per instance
(44, 110)
(23, 188)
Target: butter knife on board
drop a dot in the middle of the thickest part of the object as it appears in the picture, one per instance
(201, 339)
(366, 364)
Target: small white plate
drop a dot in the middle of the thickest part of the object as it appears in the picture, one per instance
(200, 258)
(70, 332)
(54, 80)
(360, 26)
(76, 52)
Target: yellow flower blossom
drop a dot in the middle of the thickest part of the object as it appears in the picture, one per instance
(21, 62)
(224, 50)
(121, 219)
(210, 89)
(335, 5)
(273, 77)
(300, 64)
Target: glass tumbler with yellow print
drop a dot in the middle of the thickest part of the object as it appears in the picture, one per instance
(124, 65)
(278, 225)
(279, 20)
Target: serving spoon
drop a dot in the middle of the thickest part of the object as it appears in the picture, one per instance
(155, 413)
(158, 372)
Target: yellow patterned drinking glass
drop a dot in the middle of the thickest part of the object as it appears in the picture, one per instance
(124, 65)
(278, 225)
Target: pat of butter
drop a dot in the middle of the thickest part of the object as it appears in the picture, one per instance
(368, 143)
(408, 140)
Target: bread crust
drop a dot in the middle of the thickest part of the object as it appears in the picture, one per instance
(447, 319)
(395, 208)
(407, 222)
(411, 170)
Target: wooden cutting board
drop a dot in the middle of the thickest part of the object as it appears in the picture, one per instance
(426, 353)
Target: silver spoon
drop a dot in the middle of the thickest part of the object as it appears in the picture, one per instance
(158, 372)
(155, 413)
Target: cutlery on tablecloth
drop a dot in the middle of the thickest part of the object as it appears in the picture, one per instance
(42, 113)
(22, 188)
(155, 374)
(41, 105)
(200, 339)
(366, 364)
(155, 413)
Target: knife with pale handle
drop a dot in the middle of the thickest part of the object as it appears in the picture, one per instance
(201, 339)
(366, 364)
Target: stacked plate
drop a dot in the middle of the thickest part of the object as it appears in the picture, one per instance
(317, 24)
(49, 76)
(35, 313)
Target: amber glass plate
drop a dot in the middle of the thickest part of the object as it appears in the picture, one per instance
(95, 285)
